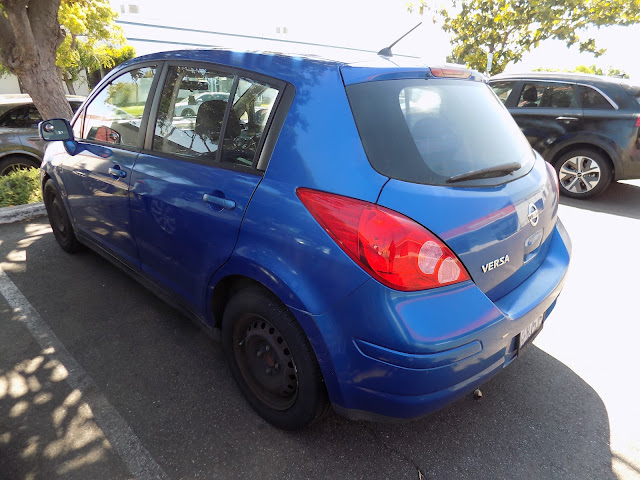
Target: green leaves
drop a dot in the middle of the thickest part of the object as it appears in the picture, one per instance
(510, 28)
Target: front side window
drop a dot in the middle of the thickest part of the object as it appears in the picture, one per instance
(24, 116)
(115, 114)
(549, 95)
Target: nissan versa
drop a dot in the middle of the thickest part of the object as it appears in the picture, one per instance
(371, 236)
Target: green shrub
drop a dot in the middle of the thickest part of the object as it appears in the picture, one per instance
(20, 187)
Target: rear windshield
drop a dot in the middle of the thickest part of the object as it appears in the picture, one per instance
(428, 131)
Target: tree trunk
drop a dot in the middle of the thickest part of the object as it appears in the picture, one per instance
(30, 35)
(70, 87)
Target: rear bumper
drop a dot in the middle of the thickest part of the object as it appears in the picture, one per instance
(396, 355)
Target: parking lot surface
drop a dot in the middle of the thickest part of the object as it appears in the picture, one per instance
(100, 379)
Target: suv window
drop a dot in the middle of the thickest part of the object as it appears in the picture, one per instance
(549, 95)
(427, 131)
(503, 89)
(590, 98)
(115, 114)
(24, 116)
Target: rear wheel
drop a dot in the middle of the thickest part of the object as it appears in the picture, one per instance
(58, 218)
(272, 361)
(583, 173)
(15, 163)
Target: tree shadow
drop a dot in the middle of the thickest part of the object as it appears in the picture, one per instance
(169, 381)
(622, 199)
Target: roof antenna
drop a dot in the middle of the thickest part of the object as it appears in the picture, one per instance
(386, 52)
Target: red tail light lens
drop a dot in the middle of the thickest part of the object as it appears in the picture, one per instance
(554, 176)
(392, 248)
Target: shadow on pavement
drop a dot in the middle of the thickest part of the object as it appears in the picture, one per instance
(621, 199)
(169, 381)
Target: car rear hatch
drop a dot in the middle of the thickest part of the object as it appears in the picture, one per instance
(458, 165)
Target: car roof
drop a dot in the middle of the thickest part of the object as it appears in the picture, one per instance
(23, 98)
(297, 68)
(557, 76)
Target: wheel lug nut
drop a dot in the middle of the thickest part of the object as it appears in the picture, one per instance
(267, 348)
(260, 353)
(268, 371)
(276, 367)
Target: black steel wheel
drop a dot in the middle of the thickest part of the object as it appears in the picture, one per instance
(58, 218)
(272, 361)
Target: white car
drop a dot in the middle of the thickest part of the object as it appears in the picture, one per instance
(190, 105)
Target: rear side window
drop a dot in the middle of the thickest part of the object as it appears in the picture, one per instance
(427, 131)
(547, 95)
(25, 116)
(503, 90)
(590, 98)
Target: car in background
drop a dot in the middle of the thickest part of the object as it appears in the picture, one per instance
(376, 237)
(586, 126)
(190, 105)
(20, 145)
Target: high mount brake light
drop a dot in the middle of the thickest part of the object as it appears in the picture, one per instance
(450, 72)
(392, 248)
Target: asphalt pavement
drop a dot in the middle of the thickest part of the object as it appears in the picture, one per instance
(101, 379)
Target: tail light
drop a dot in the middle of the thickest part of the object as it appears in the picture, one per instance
(392, 248)
(638, 119)
(554, 176)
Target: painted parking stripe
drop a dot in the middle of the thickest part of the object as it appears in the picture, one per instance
(138, 460)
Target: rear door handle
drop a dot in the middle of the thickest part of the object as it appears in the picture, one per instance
(219, 201)
(567, 119)
(116, 172)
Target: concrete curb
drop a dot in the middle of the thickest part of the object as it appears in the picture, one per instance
(21, 212)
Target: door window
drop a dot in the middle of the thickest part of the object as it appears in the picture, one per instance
(549, 95)
(115, 114)
(252, 105)
(25, 116)
(503, 89)
(192, 111)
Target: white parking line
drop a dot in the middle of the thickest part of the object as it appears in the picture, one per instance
(138, 460)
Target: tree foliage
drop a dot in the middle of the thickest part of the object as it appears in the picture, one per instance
(508, 28)
(42, 39)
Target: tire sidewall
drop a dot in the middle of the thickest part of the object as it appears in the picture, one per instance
(67, 242)
(606, 173)
(311, 397)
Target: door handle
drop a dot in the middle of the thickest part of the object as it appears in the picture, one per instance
(116, 172)
(566, 119)
(219, 201)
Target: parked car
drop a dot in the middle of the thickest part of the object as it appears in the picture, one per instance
(190, 105)
(20, 145)
(586, 126)
(385, 241)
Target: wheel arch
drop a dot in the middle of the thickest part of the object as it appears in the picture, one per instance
(606, 153)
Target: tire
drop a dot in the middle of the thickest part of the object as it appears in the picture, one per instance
(272, 361)
(583, 173)
(187, 112)
(58, 219)
(14, 163)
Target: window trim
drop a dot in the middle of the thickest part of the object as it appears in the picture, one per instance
(260, 161)
(81, 114)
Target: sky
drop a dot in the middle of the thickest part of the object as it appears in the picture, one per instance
(360, 24)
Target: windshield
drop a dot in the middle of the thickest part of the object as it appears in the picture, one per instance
(428, 131)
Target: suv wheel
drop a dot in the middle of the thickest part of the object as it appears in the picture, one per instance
(583, 173)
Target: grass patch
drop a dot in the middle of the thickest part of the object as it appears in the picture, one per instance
(135, 110)
(20, 187)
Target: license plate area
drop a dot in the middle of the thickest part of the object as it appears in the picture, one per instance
(529, 332)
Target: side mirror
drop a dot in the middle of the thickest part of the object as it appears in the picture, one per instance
(55, 129)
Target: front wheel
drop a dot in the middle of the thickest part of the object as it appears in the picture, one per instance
(58, 218)
(583, 173)
(272, 361)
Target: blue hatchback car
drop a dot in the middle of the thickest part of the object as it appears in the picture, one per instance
(373, 236)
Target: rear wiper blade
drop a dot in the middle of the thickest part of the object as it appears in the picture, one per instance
(488, 172)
